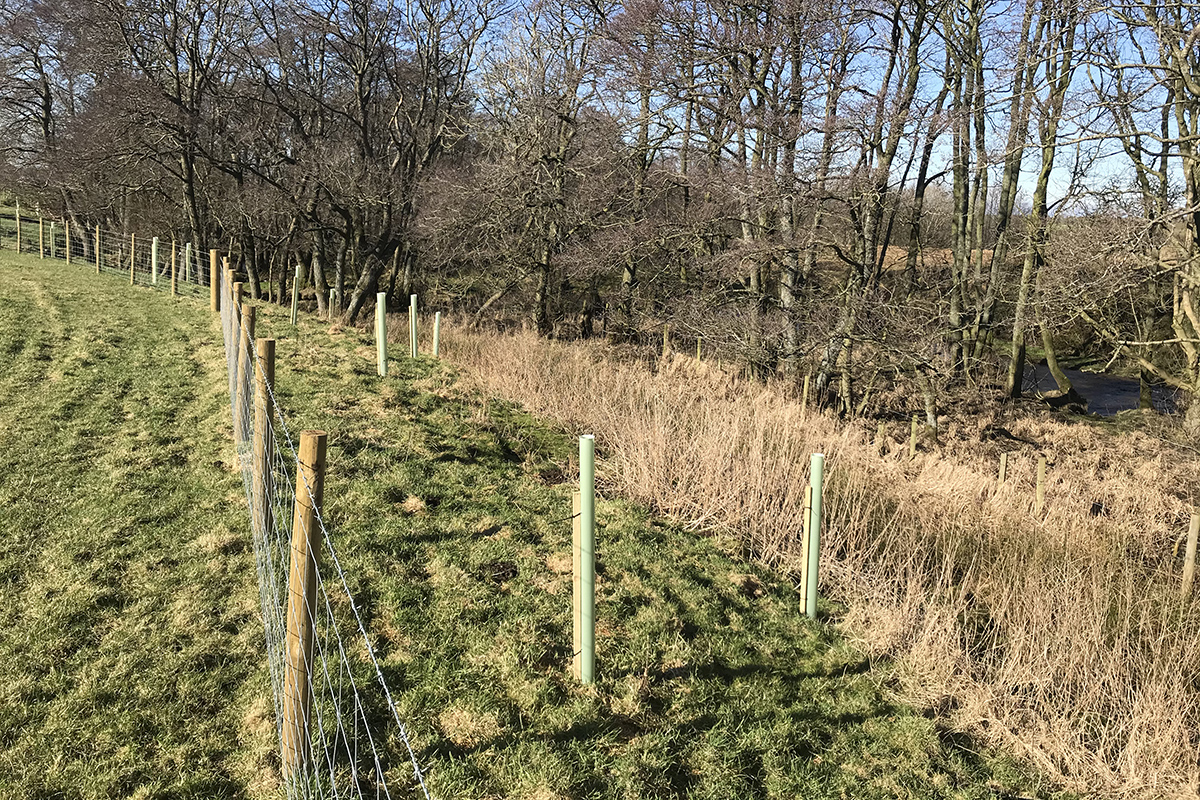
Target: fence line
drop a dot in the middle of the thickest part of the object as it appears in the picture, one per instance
(119, 254)
(350, 721)
(347, 754)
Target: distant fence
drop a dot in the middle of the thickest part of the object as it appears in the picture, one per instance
(168, 263)
(339, 732)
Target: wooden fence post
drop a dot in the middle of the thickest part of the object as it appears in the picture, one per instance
(1003, 469)
(154, 261)
(1040, 501)
(235, 318)
(1189, 558)
(187, 262)
(132, 250)
(804, 394)
(97, 249)
(214, 282)
(241, 384)
(53, 243)
(67, 225)
(41, 237)
(264, 485)
(587, 558)
(302, 603)
(18, 227)
(381, 334)
(437, 332)
(174, 280)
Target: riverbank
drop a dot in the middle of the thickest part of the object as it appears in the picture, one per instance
(1058, 632)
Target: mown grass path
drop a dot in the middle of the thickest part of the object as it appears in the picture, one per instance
(130, 643)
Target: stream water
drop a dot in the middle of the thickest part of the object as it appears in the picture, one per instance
(1106, 394)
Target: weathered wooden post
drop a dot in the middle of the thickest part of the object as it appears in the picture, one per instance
(437, 332)
(18, 227)
(154, 261)
(1003, 469)
(53, 243)
(242, 386)
(41, 237)
(174, 267)
(804, 393)
(214, 282)
(296, 294)
(302, 603)
(587, 558)
(187, 262)
(132, 250)
(67, 226)
(1189, 558)
(412, 326)
(381, 333)
(264, 485)
(912, 439)
(816, 471)
(235, 318)
(1040, 500)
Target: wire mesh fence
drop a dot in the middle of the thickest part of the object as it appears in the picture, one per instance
(339, 732)
(332, 733)
(170, 263)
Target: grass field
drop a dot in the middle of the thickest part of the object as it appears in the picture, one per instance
(131, 663)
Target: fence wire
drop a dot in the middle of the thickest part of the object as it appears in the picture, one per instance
(352, 742)
(168, 263)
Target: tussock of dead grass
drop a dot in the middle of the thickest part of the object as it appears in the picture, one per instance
(1063, 637)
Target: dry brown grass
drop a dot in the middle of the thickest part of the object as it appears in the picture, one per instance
(1063, 638)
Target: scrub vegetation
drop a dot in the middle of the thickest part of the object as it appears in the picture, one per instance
(1061, 635)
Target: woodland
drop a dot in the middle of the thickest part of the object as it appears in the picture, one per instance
(903, 200)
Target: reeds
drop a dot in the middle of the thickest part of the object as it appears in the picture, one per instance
(1063, 637)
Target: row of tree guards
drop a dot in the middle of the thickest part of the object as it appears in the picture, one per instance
(583, 554)
(310, 467)
(381, 346)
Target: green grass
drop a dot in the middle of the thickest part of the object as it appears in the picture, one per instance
(451, 516)
(132, 661)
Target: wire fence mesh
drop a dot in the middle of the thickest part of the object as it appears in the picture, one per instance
(339, 732)
(169, 263)
(342, 754)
